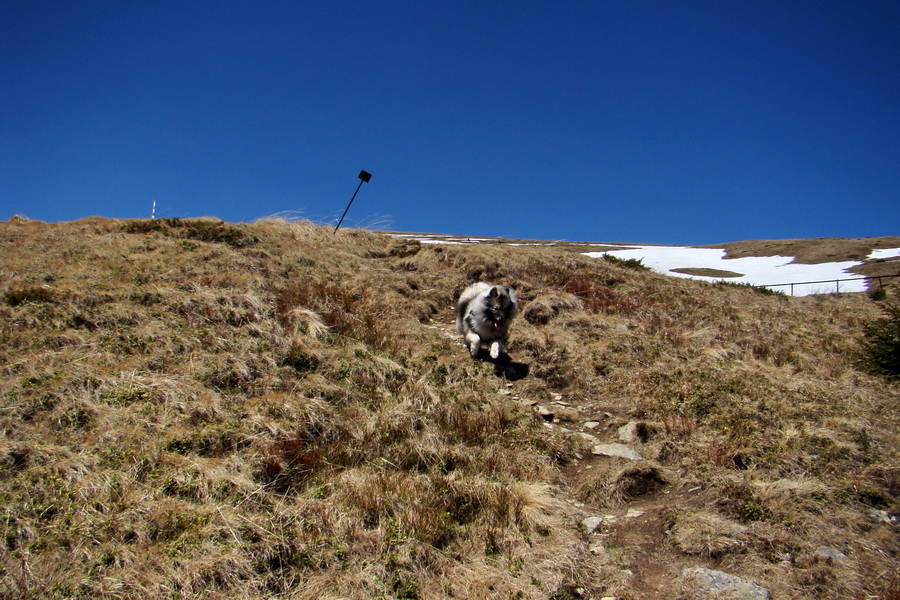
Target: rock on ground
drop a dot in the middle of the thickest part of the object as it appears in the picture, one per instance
(829, 552)
(591, 524)
(717, 581)
(618, 450)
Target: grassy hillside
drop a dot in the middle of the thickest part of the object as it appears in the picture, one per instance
(195, 409)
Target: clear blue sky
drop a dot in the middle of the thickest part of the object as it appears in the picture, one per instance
(639, 121)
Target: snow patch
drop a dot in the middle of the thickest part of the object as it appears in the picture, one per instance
(766, 271)
(885, 253)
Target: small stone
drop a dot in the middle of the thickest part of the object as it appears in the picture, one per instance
(829, 553)
(592, 425)
(545, 413)
(883, 516)
(591, 524)
(717, 581)
(633, 513)
(627, 432)
(617, 450)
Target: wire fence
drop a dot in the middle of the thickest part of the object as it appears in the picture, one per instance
(835, 282)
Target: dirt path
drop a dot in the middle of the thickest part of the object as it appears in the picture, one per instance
(631, 552)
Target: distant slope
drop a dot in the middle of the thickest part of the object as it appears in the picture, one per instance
(811, 250)
(830, 259)
(807, 250)
(824, 250)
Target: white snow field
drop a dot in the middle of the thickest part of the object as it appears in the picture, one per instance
(442, 239)
(885, 253)
(769, 271)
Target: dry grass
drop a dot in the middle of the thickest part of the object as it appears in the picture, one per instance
(813, 250)
(198, 409)
(708, 534)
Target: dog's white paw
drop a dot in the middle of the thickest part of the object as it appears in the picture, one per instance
(473, 343)
(495, 350)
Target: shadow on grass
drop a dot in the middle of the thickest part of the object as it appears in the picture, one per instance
(505, 366)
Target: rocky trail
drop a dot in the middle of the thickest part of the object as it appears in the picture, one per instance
(627, 546)
(631, 543)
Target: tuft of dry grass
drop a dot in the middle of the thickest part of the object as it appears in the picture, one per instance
(708, 534)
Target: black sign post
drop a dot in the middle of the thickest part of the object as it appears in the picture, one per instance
(364, 177)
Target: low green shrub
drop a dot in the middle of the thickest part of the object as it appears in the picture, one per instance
(879, 351)
(636, 264)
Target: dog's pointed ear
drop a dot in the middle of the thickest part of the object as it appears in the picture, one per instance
(494, 292)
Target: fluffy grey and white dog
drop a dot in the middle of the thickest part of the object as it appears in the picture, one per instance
(483, 315)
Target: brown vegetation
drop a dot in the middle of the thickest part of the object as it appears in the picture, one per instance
(194, 409)
(812, 250)
(825, 250)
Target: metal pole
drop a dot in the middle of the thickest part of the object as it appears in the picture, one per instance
(348, 207)
(363, 177)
